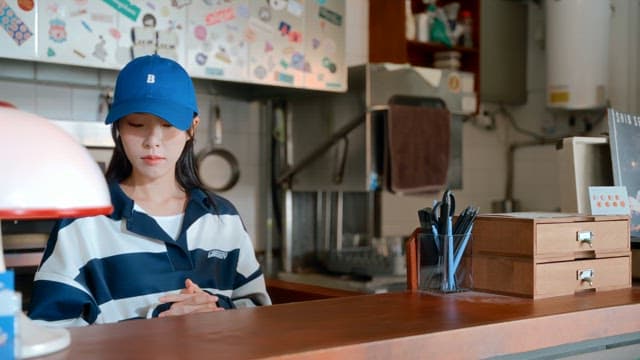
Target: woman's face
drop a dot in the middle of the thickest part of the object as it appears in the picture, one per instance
(152, 145)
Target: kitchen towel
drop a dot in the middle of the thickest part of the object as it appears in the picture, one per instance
(418, 156)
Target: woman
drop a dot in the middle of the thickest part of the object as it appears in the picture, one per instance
(169, 247)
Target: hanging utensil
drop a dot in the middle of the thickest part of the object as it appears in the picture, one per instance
(217, 166)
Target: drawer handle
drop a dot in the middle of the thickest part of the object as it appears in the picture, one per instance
(586, 275)
(585, 236)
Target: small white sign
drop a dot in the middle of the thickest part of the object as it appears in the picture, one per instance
(609, 200)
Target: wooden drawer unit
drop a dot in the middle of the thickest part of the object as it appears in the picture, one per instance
(543, 255)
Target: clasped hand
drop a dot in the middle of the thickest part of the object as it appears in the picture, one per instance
(189, 300)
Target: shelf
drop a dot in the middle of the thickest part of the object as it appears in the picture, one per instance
(388, 42)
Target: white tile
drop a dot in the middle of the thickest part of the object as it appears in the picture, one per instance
(17, 69)
(21, 95)
(66, 74)
(84, 104)
(53, 102)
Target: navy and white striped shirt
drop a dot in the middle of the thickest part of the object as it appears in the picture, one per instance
(105, 269)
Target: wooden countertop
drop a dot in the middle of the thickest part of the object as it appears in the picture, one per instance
(385, 326)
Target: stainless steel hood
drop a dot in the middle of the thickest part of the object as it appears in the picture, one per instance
(315, 120)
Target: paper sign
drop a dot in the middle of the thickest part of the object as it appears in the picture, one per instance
(609, 200)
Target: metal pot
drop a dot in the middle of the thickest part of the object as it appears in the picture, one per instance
(214, 159)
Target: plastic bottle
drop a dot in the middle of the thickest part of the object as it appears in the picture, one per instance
(409, 21)
(422, 27)
(467, 26)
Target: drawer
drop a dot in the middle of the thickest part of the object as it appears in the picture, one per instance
(600, 237)
(552, 238)
(563, 278)
(519, 276)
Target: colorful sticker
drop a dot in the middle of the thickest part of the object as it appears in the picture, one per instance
(26, 5)
(13, 25)
(331, 16)
(295, 8)
(125, 8)
(278, 4)
(219, 16)
(57, 31)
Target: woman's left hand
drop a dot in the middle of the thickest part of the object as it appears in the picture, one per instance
(191, 299)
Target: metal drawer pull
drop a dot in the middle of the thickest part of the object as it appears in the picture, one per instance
(586, 275)
(585, 236)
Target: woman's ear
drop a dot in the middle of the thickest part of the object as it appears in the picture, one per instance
(194, 125)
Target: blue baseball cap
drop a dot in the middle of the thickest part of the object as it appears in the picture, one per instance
(154, 85)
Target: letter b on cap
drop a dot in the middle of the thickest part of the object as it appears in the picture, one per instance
(151, 78)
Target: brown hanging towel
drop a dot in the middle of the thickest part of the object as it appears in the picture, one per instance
(418, 156)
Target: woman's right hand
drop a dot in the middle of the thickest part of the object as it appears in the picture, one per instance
(189, 300)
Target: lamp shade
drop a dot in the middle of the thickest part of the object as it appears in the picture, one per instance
(45, 173)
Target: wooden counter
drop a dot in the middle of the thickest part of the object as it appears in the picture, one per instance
(385, 326)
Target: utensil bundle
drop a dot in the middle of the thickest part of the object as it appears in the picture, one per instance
(450, 238)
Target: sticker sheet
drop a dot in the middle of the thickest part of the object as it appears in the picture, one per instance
(80, 33)
(276, 36)
(217, 47)
(325, 66)
(289, 43)
(17, 36)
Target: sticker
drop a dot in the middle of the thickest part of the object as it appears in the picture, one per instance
(51, 52)
(282, 77)
(297, 61)
(79, 12)
(315, 43)
(264, 14)
(268, 47)
(105, 18)
(221, 15)
(200, 32)
(125, 8)
(115, 33)
(26, 5)
(295, 8)
(86, 26)
(79, 53)
(284, 28)
(180, 3)
(329, 65)
(201, 58)
(214, 71)
(331, 16)
(99, 52)
(295, 36)
(278, 4)
(57, 31)
(223, 56)
(609, 200)
(13, 25)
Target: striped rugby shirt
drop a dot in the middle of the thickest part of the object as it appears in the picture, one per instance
(105, 269)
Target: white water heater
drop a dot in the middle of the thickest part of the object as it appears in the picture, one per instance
(577, 38)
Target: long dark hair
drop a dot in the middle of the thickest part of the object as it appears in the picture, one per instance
(187, 174)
